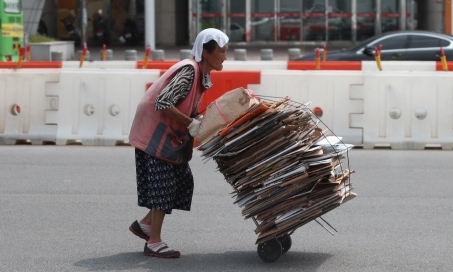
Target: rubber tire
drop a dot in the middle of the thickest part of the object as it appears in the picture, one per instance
(270, 251)
(286, 243)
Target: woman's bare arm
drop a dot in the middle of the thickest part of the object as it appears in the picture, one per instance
(177, 115)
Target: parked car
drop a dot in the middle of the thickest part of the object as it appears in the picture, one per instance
(237, 33)
(396, 45)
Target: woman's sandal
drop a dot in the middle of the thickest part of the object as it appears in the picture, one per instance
(161, 250)
(135, 229)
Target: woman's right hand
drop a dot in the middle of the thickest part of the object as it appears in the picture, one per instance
(194, 126)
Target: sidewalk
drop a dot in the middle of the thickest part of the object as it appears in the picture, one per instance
(253, 52)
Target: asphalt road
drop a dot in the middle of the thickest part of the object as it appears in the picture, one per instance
(68, 208)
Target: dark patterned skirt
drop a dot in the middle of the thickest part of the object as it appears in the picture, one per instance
(162, 185)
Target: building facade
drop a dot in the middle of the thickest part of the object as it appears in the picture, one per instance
(177, 22)
(313, 20)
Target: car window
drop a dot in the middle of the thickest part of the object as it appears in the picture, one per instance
(393, 42)
(234, 27)
(422, 41)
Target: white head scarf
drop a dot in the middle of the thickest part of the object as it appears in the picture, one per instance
(206, 36)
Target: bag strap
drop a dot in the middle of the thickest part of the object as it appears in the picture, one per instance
(221, 113)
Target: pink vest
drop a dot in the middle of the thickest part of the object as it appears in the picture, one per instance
(159, 135)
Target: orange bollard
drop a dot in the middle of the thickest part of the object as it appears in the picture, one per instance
(324, 53)
(21, 56)
(82, 57)
(443, 59)
(104, 52)
(318, 60)
(377, 56)
(145, 62)
(28, 53)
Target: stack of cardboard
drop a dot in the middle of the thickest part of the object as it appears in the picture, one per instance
(285, 171)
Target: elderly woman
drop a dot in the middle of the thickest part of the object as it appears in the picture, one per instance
(162, 133)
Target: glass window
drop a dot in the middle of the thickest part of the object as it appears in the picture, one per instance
(211, 14)
(289, 20)
(236, 20)
(337, 26)
(12, 6)
(299, 20)
(314, 26)
(205, 14)
(340, 19)
(393, 42)
(422, 41)
(262, 20)
(390, 15)
(411, 19)
(366, 15)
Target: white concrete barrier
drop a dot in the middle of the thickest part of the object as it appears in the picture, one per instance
(405, 110)
(399, 66)
(411, 66)
(99, 64)
(255, 65)
(97, 108)
(25, 102)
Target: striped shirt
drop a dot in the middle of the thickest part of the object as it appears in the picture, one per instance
(178, 88)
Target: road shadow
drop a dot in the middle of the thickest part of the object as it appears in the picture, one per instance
(228, 261)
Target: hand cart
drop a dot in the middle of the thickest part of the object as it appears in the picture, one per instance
(285, 171)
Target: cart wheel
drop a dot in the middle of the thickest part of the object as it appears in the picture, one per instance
(270, 251)
(286, 243)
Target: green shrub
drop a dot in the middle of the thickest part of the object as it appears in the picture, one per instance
(40, 39)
